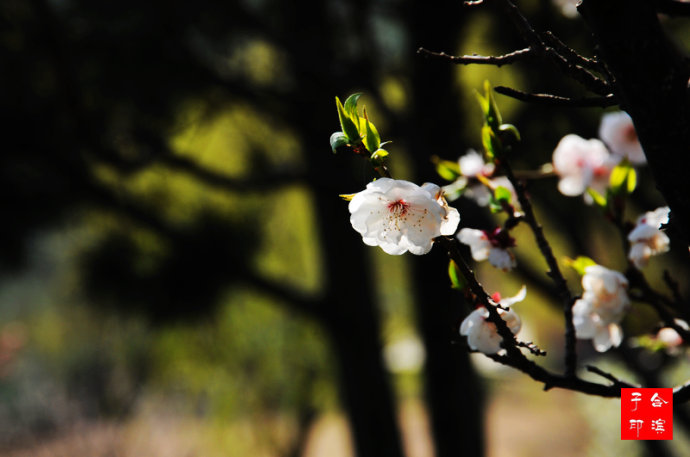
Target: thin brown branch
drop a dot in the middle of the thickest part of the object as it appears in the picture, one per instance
(531, 347)
(616, 382)
(554, 271)
(497, 61)
(568, 67)
(573, 56)
(556, 100)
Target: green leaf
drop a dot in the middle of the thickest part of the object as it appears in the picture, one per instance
(580, 264)
(491, 113)
(351, 105)
(450, 171)
(349, 128)
(599, 199)
(502, 193)
(338, 140)
(379, 157)
(372, 140)
(457, 280)
(490, 142)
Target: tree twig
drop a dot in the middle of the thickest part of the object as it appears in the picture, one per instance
(616, 382)
(556, 100)
(568, 67)
(497, 61)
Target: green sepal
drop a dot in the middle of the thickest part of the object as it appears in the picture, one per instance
(457, 280)
(623, 178)
(632, 180)
(599, 199)
(349, 128)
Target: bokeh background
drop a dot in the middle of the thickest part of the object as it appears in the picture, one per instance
(178, 276)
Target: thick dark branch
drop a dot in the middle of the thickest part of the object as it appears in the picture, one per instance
(672, 7)
(651, 83)
(552, 380)
(510, 344)
(498, 61)
(556, 100)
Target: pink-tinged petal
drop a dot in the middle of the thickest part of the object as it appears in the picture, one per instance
(618, 132)
(477, 241)
(510, 301)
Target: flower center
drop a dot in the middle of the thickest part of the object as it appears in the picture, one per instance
(398, 208)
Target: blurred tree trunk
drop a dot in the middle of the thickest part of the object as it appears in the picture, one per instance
(452, 388)
(349, 311)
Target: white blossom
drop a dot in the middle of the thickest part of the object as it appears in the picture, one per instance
(603, 304)
(481, 334)
(618, 132)
(401, 216)
(489, 246)
(581, 164)
(646, 238)
(472, 164)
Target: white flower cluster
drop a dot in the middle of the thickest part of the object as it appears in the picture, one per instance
(481, 334)
(584, 163)
(401, 216)
(471, 166)
(603, 304)
(646, 239)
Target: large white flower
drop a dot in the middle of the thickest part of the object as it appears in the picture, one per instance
(401, 216)
(646, 238)
(603, 304)
(581, 164)
(481, 334)
(492, 246)
(618, 132)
